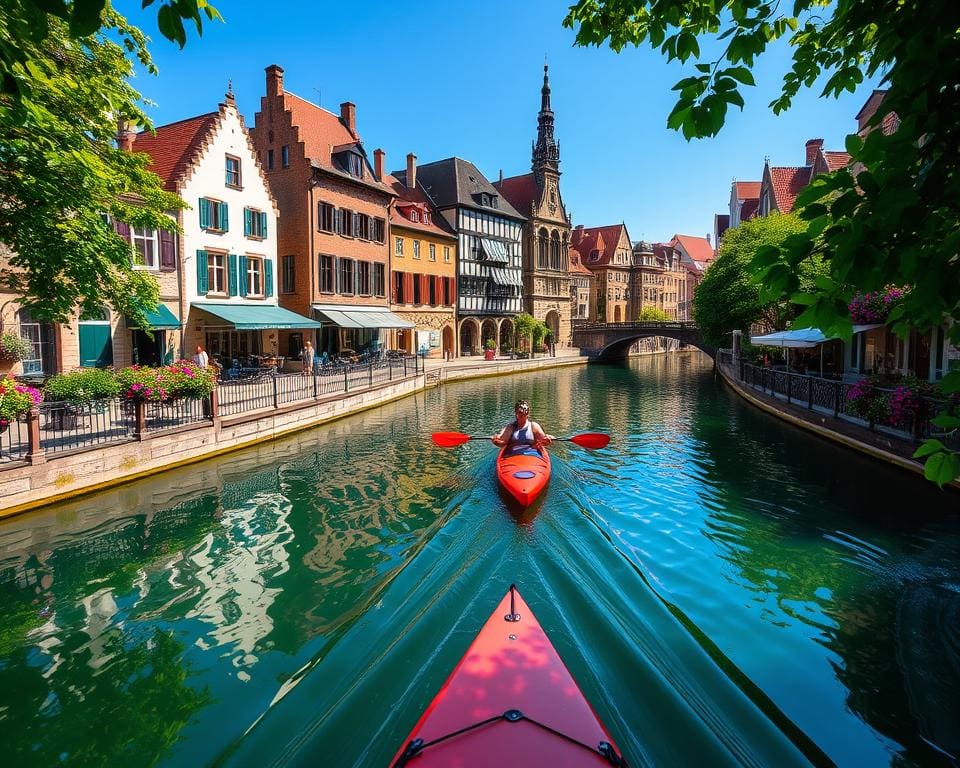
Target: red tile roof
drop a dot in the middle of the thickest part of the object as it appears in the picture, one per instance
(836, 160)
(521, 192)
(788, 182)
(602, 239)
(576, 266)
(697, 248)
(749, 209)
(413, 198)
(748, 190)
(173, 147)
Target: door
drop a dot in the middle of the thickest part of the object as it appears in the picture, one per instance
(96, 344)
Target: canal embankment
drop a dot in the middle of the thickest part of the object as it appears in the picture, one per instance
(39, 480)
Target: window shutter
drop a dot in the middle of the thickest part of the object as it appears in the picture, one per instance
(263, 223)
(202, 287)
(437, 290)
(394, 288)
(242, 275)
(204, 213)
(247, 222)
(232, 274)
(408, 287)
(267, 276)
(122, 229)
(452, 283)
(168, 254)
(424, 289)
(224, 223)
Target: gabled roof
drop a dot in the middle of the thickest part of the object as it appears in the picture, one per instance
(697, 248)
(173, 147)
(521, 191)
(576, 266)
(602, 239)
(747, 190)
(787, 183)
(455, 181)
(836, 160)
(416, 198)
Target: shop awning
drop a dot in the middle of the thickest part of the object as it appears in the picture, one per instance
(505, 276)
(347, 316)
(803, 338)
(160, 319)
(494, 250)
(245, 317)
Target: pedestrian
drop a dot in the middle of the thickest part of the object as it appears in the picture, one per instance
(522, 435)
(202, 359)
(307, 356)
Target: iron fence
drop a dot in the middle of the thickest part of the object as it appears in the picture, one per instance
(67, 427)
(14, 442)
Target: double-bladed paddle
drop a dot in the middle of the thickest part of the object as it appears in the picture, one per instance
(591, 440)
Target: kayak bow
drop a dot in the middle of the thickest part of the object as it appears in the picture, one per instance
(523, 476)
(510, 701)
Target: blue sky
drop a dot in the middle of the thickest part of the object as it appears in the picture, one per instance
(442, 78)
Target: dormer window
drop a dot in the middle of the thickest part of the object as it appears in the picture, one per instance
(594, 254)
(414, 215)
(355, 165)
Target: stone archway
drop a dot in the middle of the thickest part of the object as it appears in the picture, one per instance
(469, 336)
(552, 321)
(505, 335)
(488, 330)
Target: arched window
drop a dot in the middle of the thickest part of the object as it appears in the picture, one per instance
(542, 244)
(555, 250)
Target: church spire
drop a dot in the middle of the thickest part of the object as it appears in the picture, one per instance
(546, 152)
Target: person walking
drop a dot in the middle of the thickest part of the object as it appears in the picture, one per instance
(202, 359)
(307, 356)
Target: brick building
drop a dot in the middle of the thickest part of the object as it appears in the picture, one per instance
(334, 263)
(423, 265)
(546, 235)
(608, 253)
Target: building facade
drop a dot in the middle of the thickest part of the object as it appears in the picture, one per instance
(334, 263)
(582, 291)
(608, 253)
(546, 234)
(423, 266)
(489, 263)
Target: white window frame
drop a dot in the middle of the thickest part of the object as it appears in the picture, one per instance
(148, 236)
(213, 269)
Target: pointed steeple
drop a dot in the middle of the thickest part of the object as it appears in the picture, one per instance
(546, 152)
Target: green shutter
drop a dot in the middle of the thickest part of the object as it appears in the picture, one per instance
(224, 222)
(204, 213)
(242, 274)
(202, 286)
(267, 277)
(96, 345)
(263, 223)
(232, 274)
(247, 222)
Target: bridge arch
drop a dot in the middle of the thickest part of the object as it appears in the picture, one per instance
(612, 341)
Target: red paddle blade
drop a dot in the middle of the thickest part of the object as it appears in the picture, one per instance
(449, 439)
(591, 440)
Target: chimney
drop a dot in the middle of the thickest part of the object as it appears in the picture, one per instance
(274, 80)
(412, 171)
(126, 135)
(501, 177)
(378, 163)
(348, 116)
(813, 146)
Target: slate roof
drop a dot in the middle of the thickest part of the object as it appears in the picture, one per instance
(455, 181)
(521, 191)
(174, 147)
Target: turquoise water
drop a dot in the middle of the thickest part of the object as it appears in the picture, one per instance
(725, 589)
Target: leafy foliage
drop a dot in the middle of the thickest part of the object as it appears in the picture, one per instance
(728, 298)
(60, 174)
(16, 399)
(891, 219)
(82, 386)
(653, 315)
(14, 347)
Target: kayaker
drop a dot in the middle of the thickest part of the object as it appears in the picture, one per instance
(522, 434)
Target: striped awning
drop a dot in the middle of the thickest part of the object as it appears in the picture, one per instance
(494, 250)
(346, 316)
(505, 276)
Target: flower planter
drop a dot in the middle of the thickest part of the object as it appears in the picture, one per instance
(490, 354)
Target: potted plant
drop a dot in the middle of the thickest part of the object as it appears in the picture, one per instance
(80, 391)
(185, 378)
(490, 349)
(15, 400)
(13, 349)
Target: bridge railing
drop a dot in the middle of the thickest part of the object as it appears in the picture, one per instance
(672, 325)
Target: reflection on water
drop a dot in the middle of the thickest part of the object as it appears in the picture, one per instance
(724, 588)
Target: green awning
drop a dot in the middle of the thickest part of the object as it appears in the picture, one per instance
(245, 317)
(161, 319)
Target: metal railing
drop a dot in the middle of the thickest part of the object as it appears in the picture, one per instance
(67, 426)
(831, 397)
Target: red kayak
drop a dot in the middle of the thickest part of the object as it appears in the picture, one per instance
(510, 701)
(523, 476)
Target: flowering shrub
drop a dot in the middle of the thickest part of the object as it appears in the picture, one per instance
(903, 406)
(16, 399)
(82, 386)
(185, 378)
(14, 347)
(874, 307)
(143, 384)
(866, 401)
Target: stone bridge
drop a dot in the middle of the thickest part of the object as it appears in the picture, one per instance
(611, 341)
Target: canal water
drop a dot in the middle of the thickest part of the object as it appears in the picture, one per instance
(725, 589)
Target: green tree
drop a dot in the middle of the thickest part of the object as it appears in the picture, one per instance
(728, 298)
(61, 176)
(895, 222)
(653, 315)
